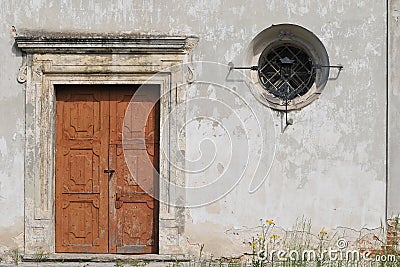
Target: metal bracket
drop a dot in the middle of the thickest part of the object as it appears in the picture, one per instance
(232, 67)
(255, 68)
(316, 66)
(319, 66)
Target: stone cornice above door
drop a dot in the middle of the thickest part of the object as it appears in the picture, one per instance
(54, 42)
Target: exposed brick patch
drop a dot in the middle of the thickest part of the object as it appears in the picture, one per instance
(389, 244)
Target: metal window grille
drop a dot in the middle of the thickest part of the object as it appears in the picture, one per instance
(301, 78)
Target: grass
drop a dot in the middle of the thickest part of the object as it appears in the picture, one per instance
(15, 256)
(40, 256)
(299, 246)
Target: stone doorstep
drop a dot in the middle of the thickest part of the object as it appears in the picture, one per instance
(75, 257)
(93, 264)
(122, 263)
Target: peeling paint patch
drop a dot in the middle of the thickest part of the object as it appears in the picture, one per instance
(234, 51)
(3, 148)
(374, 49)
(11, 237)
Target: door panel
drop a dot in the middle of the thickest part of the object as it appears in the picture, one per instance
(135, 225)
(134, 213)
(98, 212)
(81, 156)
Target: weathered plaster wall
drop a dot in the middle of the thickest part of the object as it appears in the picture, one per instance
(329, 165)
(393, 107)
(11, 139)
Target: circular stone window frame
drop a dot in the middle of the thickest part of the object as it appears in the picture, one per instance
(296, 36)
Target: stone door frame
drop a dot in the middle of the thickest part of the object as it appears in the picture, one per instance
(50, 59)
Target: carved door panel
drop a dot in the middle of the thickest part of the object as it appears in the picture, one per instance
(98, 212)
(135, 211)
(81, 156)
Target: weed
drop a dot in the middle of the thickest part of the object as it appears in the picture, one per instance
(136, 263)
(40, 256)
(15, 256)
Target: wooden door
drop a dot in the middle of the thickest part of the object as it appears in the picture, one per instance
(102, 205)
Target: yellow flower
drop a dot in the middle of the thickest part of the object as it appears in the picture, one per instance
(323, 232)
(274, 236)
(254, 244)
(270, 222)
(260, 237)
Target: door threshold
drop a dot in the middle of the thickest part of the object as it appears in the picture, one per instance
(77, 257)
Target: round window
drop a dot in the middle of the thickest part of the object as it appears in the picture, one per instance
(287, 57)
(299, 80)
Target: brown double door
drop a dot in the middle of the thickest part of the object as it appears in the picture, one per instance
(105, 184)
